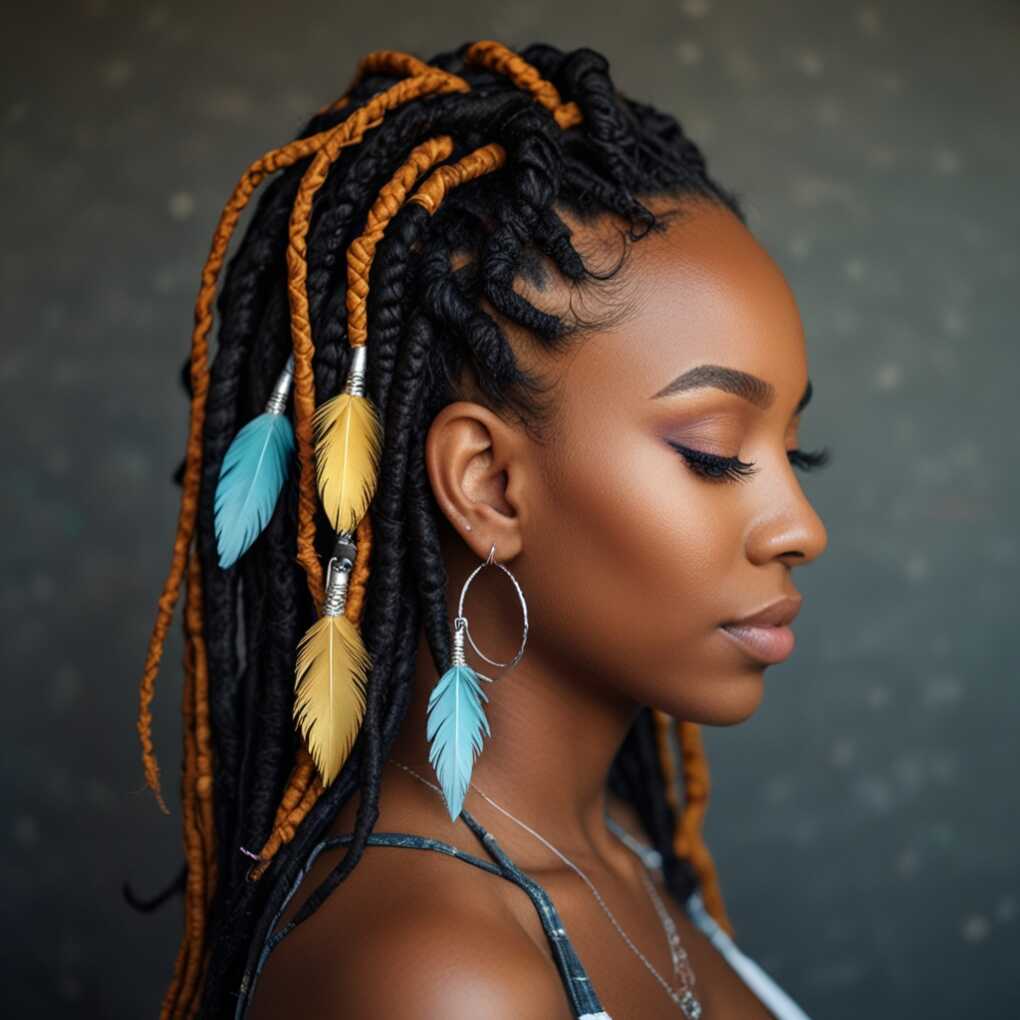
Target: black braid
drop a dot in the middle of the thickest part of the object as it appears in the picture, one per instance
(425, 325)
(251, 280)
(406, 401)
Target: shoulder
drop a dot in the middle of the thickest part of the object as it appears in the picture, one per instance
(398, 944)
(449, 965)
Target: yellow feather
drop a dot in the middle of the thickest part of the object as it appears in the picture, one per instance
(348, 443)
(329, 701)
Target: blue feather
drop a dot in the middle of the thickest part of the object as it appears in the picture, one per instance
(456, 720)
(253, 472)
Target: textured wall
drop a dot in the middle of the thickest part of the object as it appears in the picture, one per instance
(864, 820)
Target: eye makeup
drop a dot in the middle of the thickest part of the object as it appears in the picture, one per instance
(725, 469)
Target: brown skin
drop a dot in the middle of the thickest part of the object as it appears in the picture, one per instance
(629, 562)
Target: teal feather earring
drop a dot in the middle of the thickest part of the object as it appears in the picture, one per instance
(456, 721)
(456, 717)
(254, 469)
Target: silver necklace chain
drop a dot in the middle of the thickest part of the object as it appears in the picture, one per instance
(685, 998)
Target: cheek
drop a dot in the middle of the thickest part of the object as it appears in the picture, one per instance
(630, 549)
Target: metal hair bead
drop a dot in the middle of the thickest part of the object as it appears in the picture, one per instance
(355, 384)
(277, 401)
(338, 573)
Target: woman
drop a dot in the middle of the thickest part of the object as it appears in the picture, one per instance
(532, 349)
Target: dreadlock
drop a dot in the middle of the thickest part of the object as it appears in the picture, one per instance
(474, 151)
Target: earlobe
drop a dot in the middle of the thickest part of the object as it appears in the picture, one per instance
(467, 458)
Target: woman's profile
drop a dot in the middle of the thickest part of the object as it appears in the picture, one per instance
(490, 502)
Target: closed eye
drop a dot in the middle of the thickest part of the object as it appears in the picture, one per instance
(724, 469)
(810, 460)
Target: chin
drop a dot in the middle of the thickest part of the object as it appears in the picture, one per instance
(721, 701)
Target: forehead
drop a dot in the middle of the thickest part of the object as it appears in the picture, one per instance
(703, 291)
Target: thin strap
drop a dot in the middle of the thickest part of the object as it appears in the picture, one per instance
(651, 856)
(374, 839)
(781, 1006)
(583, 999)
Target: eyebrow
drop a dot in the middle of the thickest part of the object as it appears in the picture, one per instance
(749, 387)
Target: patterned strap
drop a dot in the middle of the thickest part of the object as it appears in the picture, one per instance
(583, 999)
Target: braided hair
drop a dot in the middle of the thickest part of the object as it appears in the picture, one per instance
(473, 151)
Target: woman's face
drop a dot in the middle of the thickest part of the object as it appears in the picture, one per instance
(630, 560)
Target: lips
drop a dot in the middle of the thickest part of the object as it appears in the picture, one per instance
(765, 635)
(766, 644)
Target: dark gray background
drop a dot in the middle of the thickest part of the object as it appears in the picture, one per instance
(864, 821)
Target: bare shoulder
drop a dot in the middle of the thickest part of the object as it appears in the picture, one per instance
(430, 941)
(447, 967)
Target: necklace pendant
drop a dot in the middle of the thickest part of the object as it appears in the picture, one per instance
(690, 1006)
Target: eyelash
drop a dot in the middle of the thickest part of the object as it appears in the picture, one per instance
(723, 469)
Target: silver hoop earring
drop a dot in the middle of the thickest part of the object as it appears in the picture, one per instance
(460, 623)
(456, 718)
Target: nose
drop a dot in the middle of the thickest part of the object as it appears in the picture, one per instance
(788, 526)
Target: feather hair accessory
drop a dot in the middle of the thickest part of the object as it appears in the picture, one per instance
(332, 664)
(254, 469)
(331, 672)
(348, 443)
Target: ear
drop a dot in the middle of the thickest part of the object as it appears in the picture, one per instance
(475, 463)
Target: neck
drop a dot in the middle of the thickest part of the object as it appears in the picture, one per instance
(547, 762)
